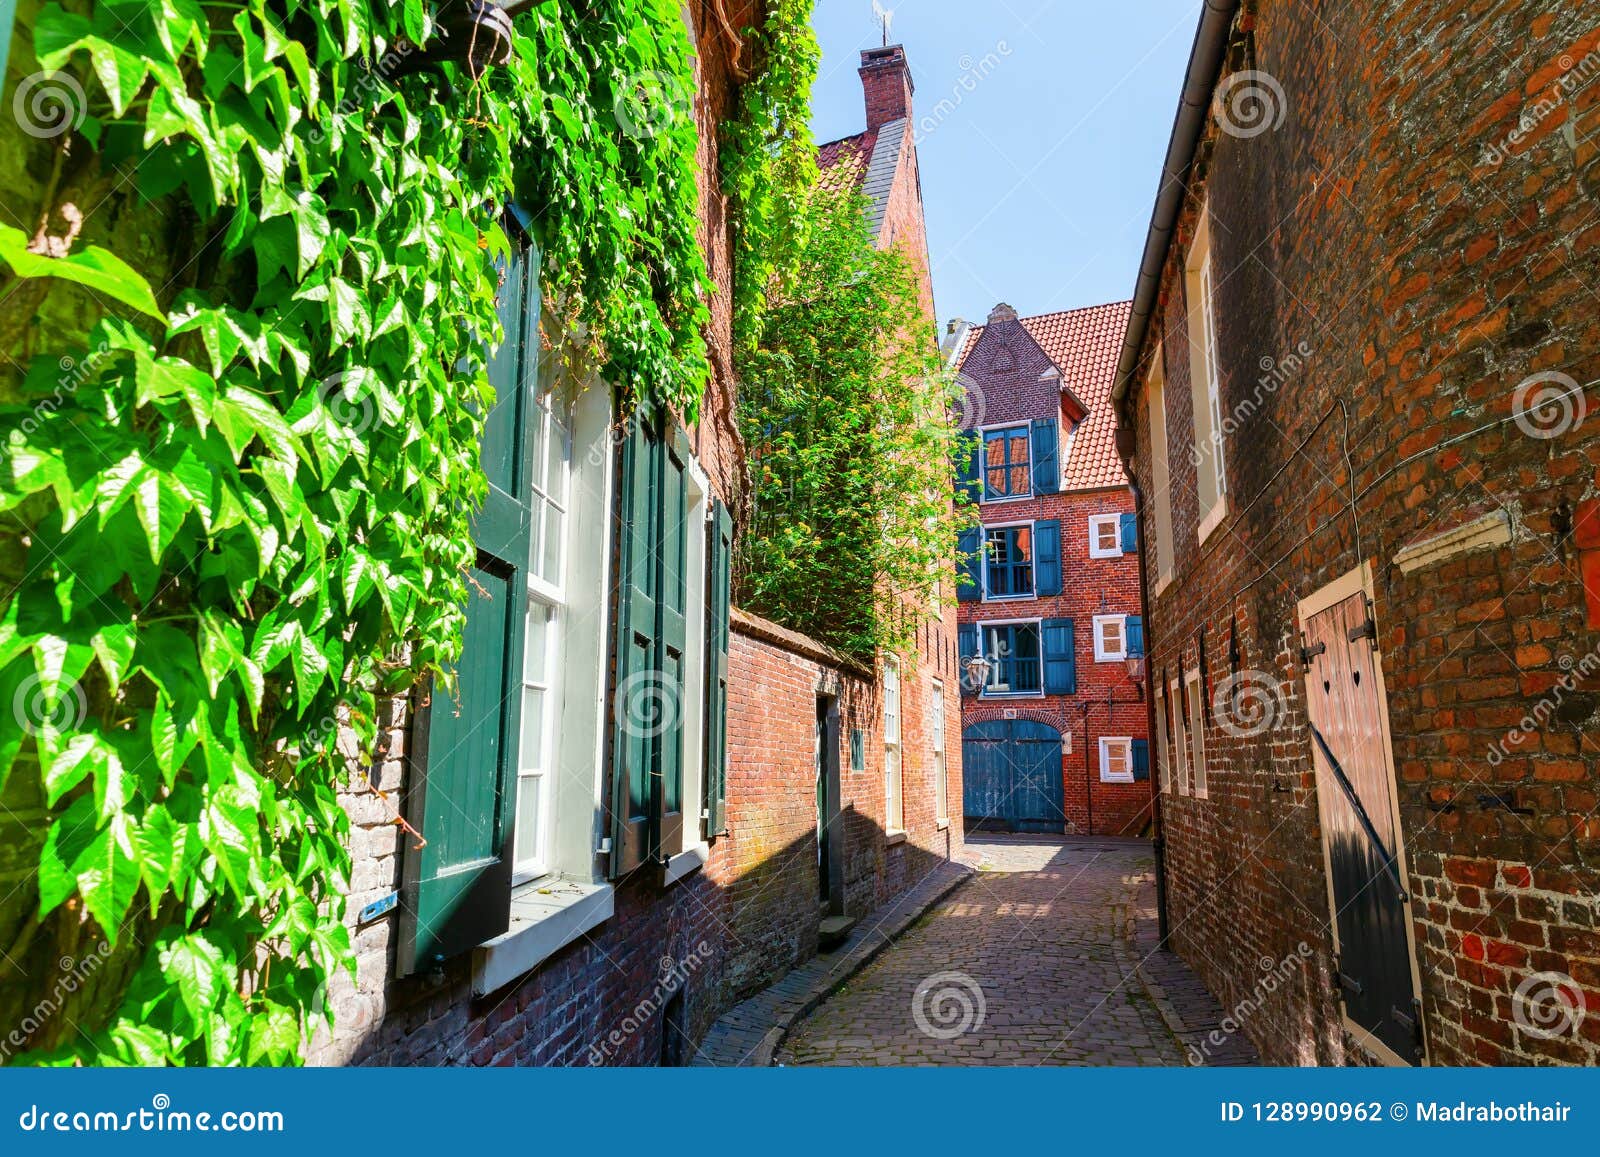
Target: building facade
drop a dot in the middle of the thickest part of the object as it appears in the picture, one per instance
(1054, 722)
(1352, 400)
(692, 797)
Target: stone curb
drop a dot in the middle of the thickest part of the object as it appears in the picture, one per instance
(750, 1033)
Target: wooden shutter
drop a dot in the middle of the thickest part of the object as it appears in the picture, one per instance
(1047, 557)
(1141, 760)
(969, 580)
(718, 605)
(672, 644)
(1130, 533)
(968, 638)
(969, 472)
(1046, 461)
(1060, 660)
(464, 747)
(636, 688)
(1133, 632)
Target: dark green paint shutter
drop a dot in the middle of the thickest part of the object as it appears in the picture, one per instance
(1046, 460)
(1047, 556)
(1130, 533)
(672, 641)
(1060, 660)
(969, 577)
(719, 605)
(968, 638)
(464, 748)
(634, 700)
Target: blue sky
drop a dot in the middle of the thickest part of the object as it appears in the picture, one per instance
(1039, 175)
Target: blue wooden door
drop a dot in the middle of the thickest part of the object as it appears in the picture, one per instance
(1011, 769)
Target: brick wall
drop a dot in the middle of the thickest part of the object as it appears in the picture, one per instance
(1402, 244)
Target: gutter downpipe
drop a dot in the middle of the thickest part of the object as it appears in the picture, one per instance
(1200, 80)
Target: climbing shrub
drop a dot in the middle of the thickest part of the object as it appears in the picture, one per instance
(847, 413)
(241, 497)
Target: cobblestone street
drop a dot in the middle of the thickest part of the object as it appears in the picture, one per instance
(1025, 964)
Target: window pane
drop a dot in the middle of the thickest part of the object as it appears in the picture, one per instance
(530, 813)
(533, 702)
(536, 657)
(550, 568)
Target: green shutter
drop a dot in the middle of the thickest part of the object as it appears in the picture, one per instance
(672, 641)
(464, 747)
(718, 605)
(635, 701)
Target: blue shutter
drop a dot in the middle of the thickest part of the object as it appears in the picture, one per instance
(1130, 533)
(1060, 661)
(1046, 463)
(1047, 557)
(969, 472)
(1141, 759)
(968, 635)
(1134, 627)
(969, 578)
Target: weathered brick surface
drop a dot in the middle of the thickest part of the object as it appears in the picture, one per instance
(1421, 232)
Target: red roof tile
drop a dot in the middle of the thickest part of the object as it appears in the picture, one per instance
(843, 163)
(1085, 345)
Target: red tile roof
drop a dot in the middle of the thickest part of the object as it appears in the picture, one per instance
(843, 163)
(1084, 344)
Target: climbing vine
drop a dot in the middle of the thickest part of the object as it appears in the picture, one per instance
(240, 488)
(847, 413)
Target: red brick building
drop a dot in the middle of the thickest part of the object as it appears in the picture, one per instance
(1054, 722)
(693, 793)
(1352, 398)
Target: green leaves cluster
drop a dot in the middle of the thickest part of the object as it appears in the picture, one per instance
(848, 417)
(246, 508)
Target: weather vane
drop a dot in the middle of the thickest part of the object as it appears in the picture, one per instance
(885, 17)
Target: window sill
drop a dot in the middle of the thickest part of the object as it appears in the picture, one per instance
(1214, 518)
(685, 863)
(1107, 553)
(891, 838)
(1003, 695)
(940, 825)
(1107, 778)
(1003, 500)
(1111, 658)
(546, 916)
(1009, 598)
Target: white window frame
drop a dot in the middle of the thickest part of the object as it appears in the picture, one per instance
(1180, 737)
(1108, 744)
(941, 772)
(1101, 654)
(1163, 769)
(1197, 732)
(983, 460)
(547, 598)
(894, 802)
(1096, 523)
(1205, 380)
(1033, 563)
(1160, 471)
(983, 650)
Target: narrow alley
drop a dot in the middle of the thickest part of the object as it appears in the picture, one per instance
(1030, 962)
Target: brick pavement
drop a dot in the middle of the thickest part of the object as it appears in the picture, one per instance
(1030, 962)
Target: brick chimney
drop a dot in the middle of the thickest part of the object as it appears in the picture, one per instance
(886, 83)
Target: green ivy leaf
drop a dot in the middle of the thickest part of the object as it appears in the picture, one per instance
(98, 269)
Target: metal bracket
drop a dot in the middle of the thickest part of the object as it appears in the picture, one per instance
(1309, 653)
